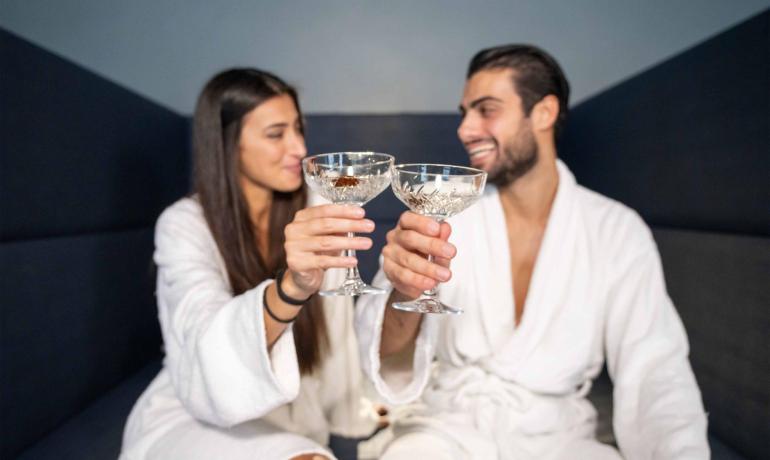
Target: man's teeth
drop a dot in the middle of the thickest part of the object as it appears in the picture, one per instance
(479, 150)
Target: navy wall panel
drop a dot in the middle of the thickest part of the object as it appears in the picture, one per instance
(79, 153)
(686, 143)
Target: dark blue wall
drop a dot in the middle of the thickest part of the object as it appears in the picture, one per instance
(686, 143)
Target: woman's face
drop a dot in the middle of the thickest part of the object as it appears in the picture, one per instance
(272, 146)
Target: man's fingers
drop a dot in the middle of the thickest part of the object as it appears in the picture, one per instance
(418, 242)
(405, 280)
(418, 223)
(446, 230)
(442, 261)
(416, 263)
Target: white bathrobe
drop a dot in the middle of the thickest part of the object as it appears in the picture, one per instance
(220, 394)
(490, 389)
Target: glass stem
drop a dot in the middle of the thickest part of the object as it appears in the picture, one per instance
(431, 292)
(351, 273)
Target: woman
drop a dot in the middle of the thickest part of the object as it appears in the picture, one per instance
(256, 367)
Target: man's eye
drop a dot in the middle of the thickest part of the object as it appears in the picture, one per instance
(486, 111)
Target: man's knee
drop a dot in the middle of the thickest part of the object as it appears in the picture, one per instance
(420, 445)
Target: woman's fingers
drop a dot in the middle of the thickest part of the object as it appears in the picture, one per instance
(329, 243)
(327, 226)
(306, 262)
(330, 210)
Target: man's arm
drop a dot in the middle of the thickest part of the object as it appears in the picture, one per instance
(658, 412)
(399, 328)
(410, 273)
(397, 347)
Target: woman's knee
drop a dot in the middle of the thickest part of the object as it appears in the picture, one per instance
(311, 457)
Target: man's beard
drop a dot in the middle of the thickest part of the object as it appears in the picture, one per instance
(518, 157)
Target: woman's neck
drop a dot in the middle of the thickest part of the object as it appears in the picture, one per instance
(259, 199)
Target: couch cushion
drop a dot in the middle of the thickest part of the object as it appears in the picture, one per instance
(719, 284)
(78, 317)
(95, 433)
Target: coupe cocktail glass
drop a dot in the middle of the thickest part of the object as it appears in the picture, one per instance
(349, 178)
(439, 192)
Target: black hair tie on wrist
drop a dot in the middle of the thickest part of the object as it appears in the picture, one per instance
(282, 295)
(272, 315)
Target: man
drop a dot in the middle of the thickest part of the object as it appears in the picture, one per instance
(554, 280)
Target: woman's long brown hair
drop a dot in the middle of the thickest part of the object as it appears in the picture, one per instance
(224, 101)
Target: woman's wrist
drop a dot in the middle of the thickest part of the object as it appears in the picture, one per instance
(288, 291)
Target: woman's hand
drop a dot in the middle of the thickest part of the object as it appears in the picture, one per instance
(314, 240)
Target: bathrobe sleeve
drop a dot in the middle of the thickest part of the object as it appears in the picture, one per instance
(658, 412)
(216, 346)
(398, 379)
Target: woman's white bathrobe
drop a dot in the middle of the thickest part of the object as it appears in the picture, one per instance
(220, 394)
(500, 391)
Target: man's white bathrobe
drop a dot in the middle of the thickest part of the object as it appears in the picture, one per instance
(497, 390)
(220, 394)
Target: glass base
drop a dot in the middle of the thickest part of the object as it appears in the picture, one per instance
(352, 287)
(427, 305)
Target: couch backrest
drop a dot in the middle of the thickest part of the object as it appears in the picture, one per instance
(85, 168)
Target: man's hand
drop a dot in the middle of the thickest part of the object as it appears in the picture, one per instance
(405, 263)
(406, 266)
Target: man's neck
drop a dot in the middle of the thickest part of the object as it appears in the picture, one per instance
(529, 198)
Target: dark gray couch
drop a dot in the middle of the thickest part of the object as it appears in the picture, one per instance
(87, 167)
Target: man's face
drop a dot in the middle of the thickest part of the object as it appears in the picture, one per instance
(494, 130)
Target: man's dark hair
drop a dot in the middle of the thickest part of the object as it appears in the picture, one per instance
(536, 74)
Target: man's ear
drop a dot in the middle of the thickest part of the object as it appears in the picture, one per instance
(545, 113)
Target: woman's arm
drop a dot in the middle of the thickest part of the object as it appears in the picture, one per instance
(227, 359)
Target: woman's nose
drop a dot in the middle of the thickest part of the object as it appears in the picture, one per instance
(297, 146)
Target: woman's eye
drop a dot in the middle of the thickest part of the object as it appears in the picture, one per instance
(275, 135)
